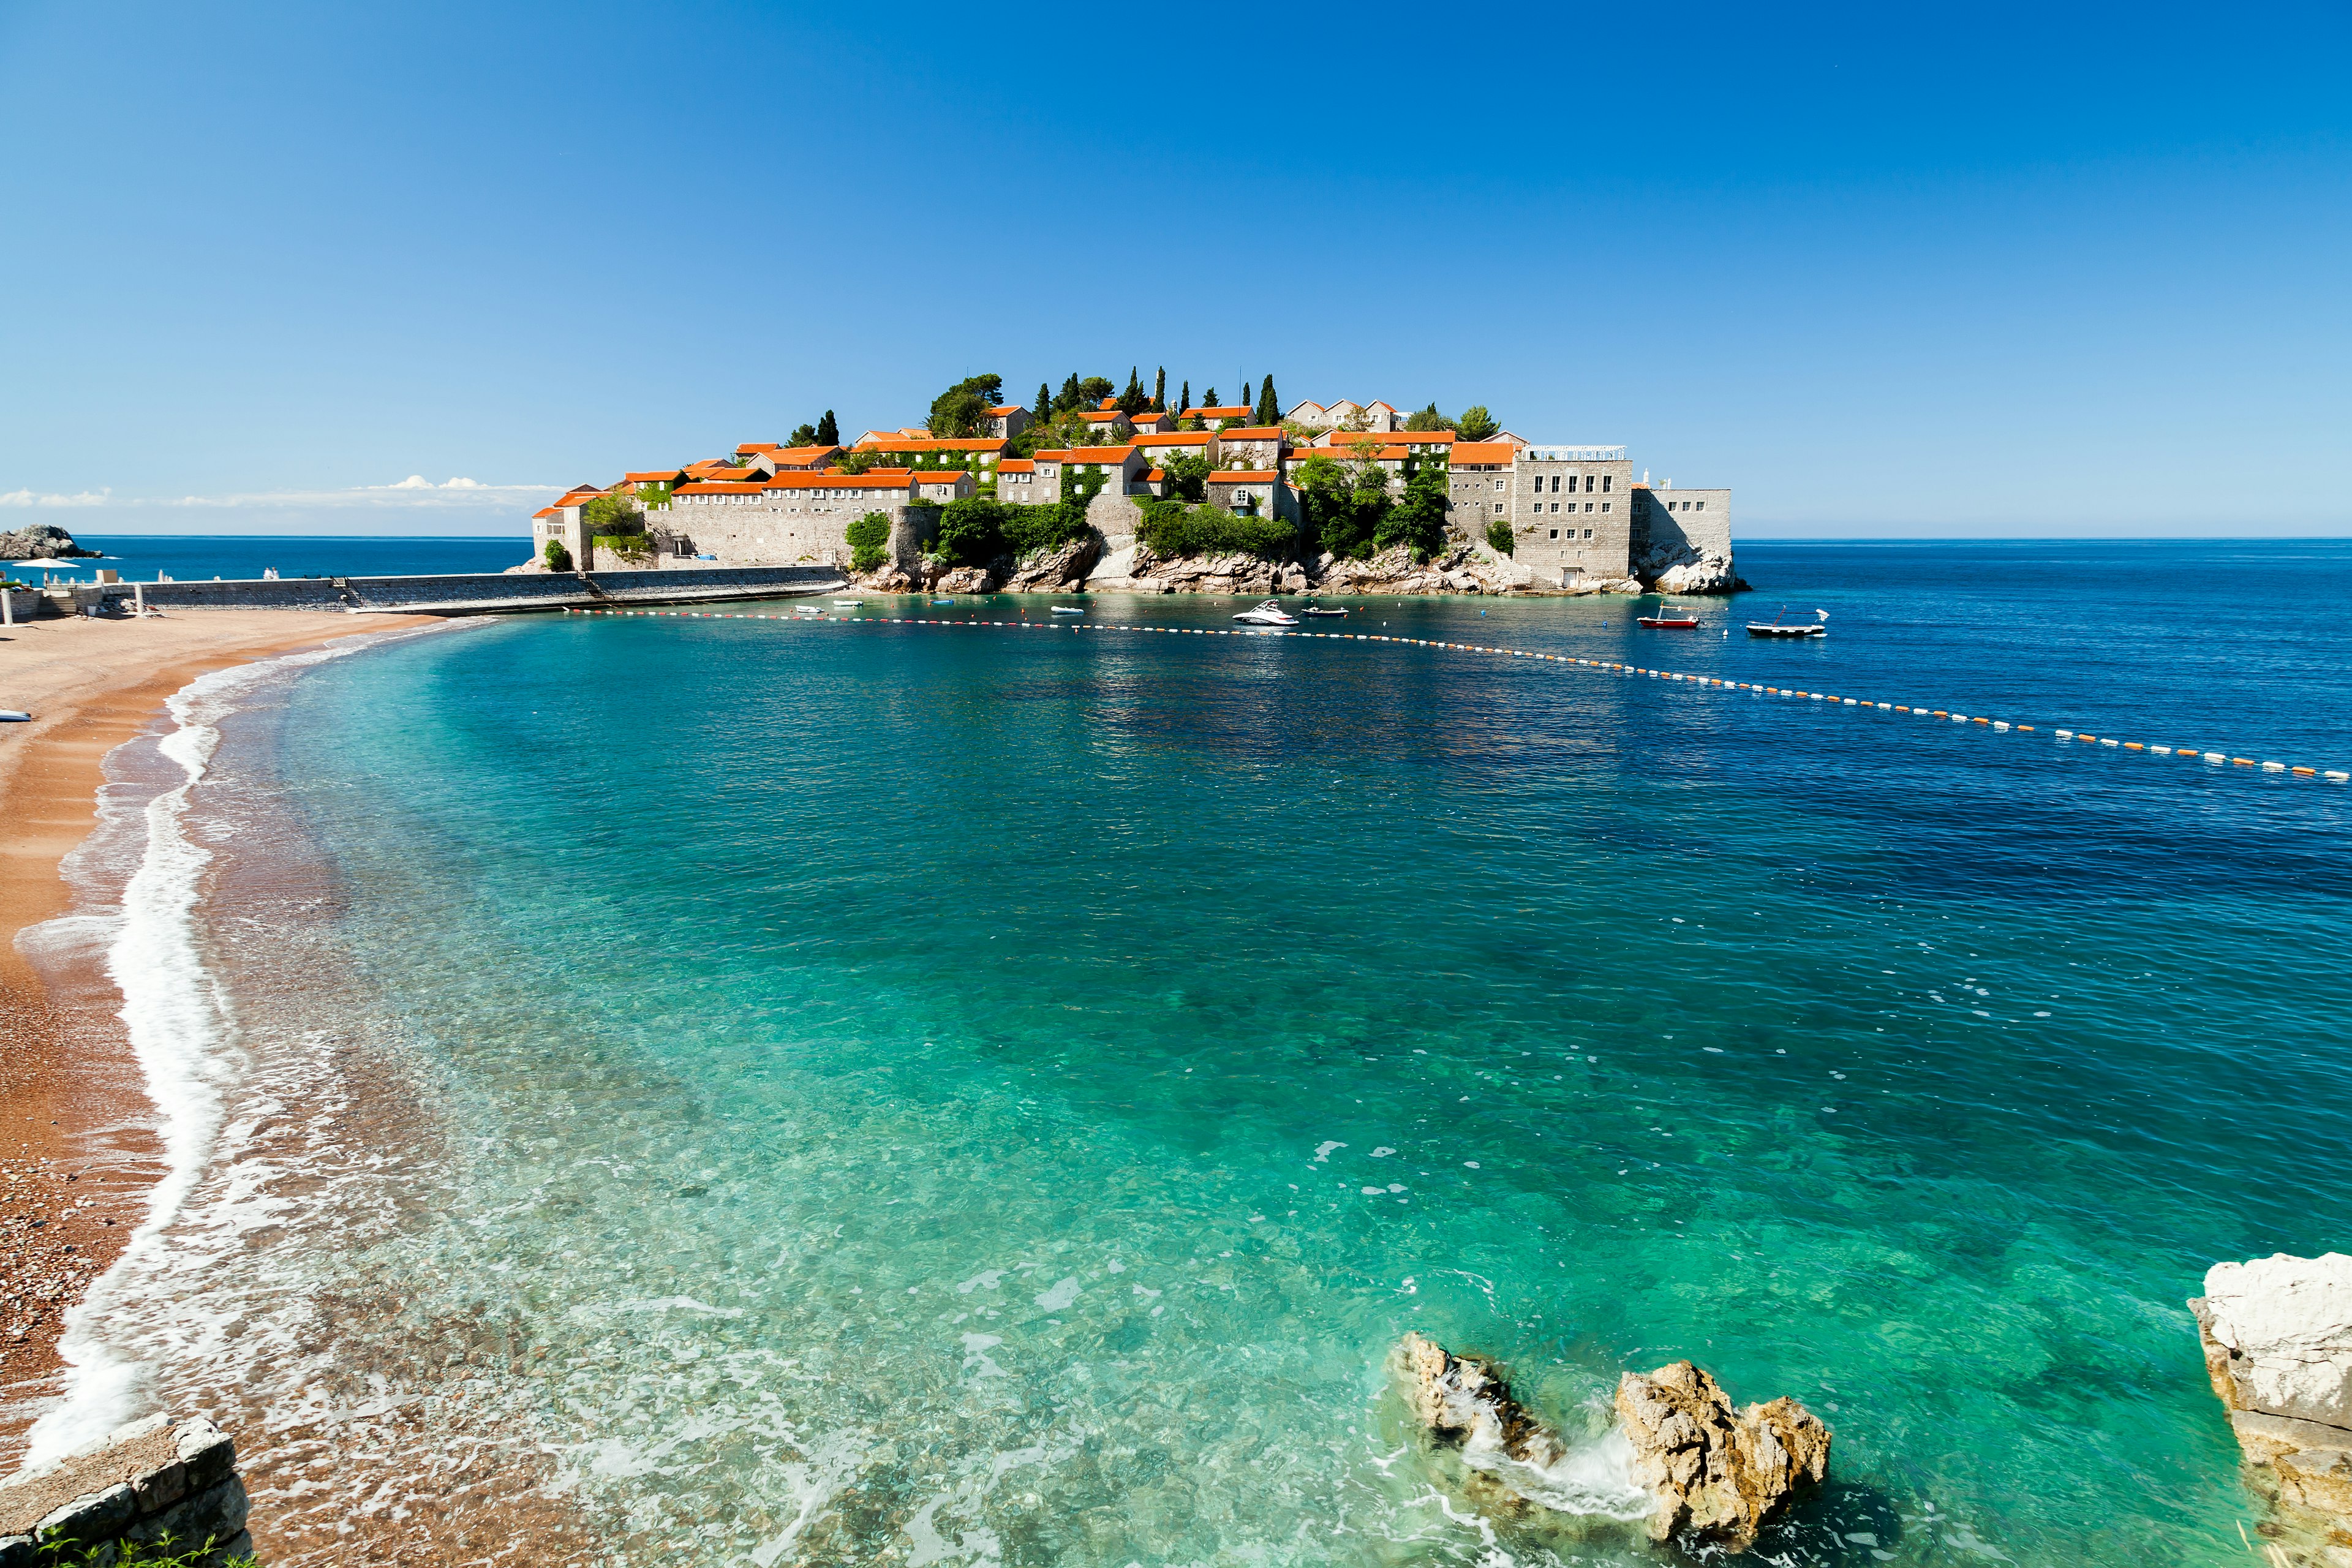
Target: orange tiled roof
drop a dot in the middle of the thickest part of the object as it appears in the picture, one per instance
(759, 446)
(1102, 416)
(717, 487)
(1016, 466)
(1008, 408)
(664, 477)
(1244, 476)
(1096, 454)
(1483, 452)
(797, 479)
(932, 444)
(1251, 433)
(1155, 475)
(1410, 437)
(1219, 411)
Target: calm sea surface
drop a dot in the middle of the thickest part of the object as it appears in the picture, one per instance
(141, 557)
(976, 1095)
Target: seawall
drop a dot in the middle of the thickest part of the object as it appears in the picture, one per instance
(462, 594)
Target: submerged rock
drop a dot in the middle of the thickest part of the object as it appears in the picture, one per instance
(2277, 1333)
(1718, 1474)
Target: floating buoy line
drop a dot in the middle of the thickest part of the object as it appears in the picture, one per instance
(2223, 759)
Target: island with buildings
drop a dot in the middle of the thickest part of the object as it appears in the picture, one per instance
(1092, 489)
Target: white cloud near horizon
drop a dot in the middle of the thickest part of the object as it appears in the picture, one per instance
(416, 490)
(37, 497)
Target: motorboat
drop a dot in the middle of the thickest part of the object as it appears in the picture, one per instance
(942, 600)
(1776, 627)
(1671, 618)
(1319, 610)
(1268, 614)
(1069, 609)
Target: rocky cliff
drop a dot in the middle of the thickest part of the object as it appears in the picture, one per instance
(2277, 1334)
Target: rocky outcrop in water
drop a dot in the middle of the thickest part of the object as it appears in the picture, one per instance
(1718, 1474)
(40, 541)
(1052, 571)
(1463, 1402)
(1707, 574)
(2277, 1333)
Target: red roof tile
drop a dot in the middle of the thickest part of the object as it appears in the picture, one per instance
(1482, 452)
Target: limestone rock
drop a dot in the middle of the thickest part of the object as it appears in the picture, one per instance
(2277, 1335)
(1463, 1401)
(1707, 574)
(1052, 571)
(967, 580)
(40, 541)
(1718, 1474)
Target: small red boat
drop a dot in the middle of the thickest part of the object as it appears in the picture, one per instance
(1672, 616)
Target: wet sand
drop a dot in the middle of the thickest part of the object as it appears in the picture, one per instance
(77, 1147)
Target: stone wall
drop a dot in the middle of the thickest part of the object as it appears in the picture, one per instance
(144, 1482)
(1674, 526)
(785, 531)
(1571, 518)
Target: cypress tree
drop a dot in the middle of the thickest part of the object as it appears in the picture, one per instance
(1131, 402)
(1159, 389)
(1269, 411)
(1246, 399)
(1069, 397)
(828, 430)
(1043, 413)
(1185, 398)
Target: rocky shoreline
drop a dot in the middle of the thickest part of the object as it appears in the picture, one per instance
(1088, 564)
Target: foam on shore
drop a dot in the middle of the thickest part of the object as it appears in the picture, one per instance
(176, 1016)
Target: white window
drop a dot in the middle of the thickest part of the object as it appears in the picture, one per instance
(1604, 506)
(1498, 509)
(1498, 484)
(1605, 482)
(1587, 533)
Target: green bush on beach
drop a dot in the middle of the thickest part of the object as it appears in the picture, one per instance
(558, 558)
(976, 531)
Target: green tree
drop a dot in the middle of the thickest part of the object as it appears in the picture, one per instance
(869, 540)
(1476, 424)
(1043, 413)
(558, 558)
(1345, 504)
(972, 532)
(962, 410)
(801, 436)
(1072, 396)
(1093, 390)
(1269, 410)
(1159, 389)
(1248, 401)
(828, 430)
(1185, 398)
(1132, 402)
(612, 516)
(1428, 418)
(1031, 530)
(1188, 476)
(1417, 521)
(1209, 398)
(1500, 535)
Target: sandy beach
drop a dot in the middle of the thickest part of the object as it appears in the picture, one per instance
(77, 1150)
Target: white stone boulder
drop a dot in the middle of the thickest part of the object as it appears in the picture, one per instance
(2277, 1333)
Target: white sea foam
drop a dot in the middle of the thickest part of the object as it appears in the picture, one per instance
(181, 1032)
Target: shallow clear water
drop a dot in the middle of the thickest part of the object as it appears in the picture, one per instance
(991, 1096)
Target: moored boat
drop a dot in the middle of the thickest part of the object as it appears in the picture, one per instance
(1672, 617)
(1776, 627)
(1269, 613)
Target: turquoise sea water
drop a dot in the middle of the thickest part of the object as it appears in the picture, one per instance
(980, 1096)
(188, 558)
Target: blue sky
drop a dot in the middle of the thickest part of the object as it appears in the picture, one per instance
(1885, 272)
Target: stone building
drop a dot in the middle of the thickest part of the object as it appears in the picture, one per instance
(1008, 421)
(1250, 446)
(795, 517)
(1671, 526)
(1158, 448)
(1571, 512)
(1122, 469)
(1256, 492)
(981, 452)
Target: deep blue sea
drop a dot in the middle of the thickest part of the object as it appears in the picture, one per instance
(184, 558)
(849, 1093)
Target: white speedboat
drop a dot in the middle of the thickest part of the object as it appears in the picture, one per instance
(1069, 610)
(848, 603)
(1268, 614)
